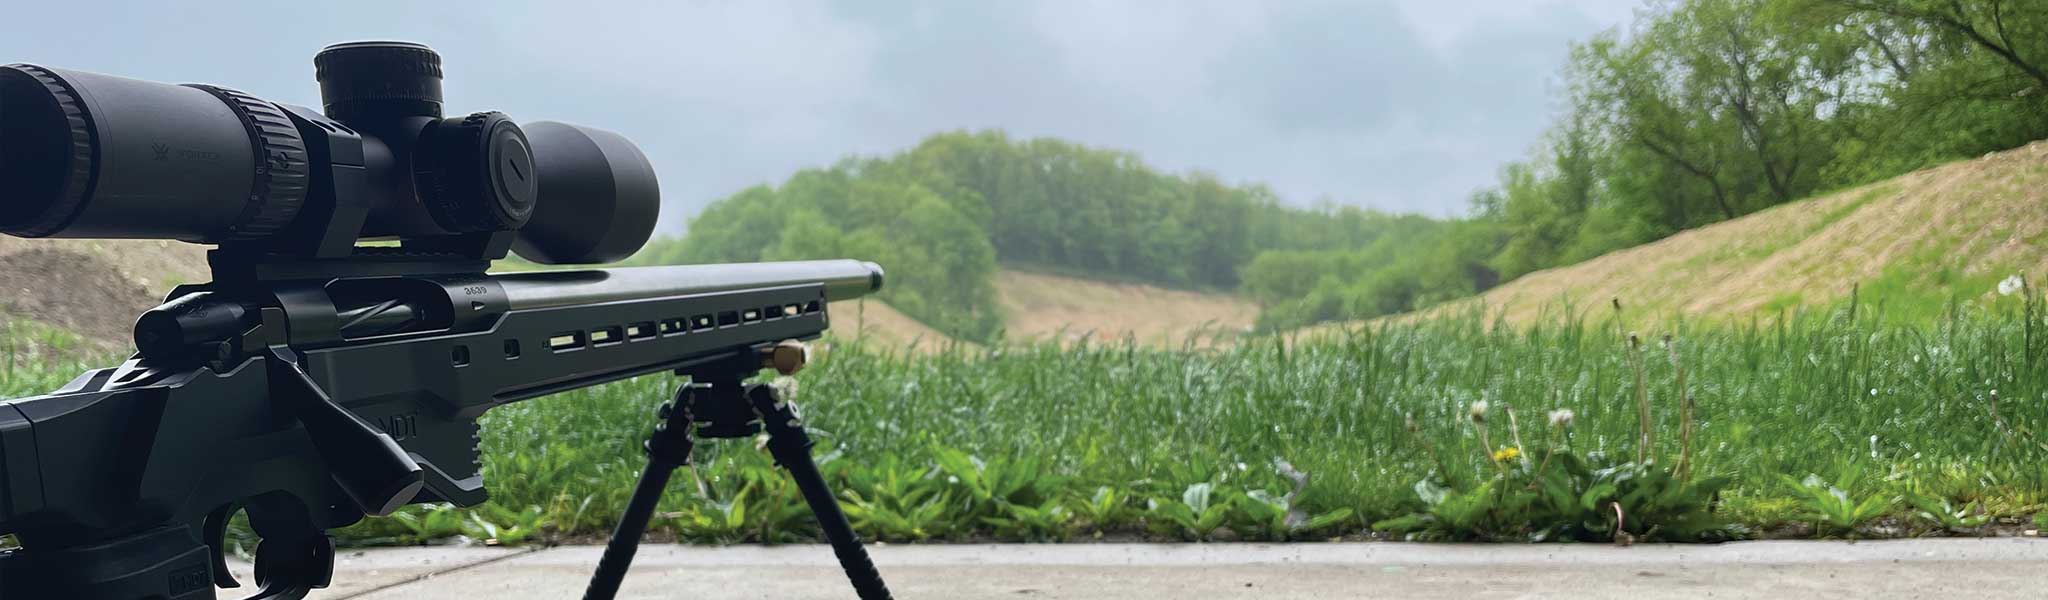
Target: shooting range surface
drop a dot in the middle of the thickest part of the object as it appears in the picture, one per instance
(1932, 568)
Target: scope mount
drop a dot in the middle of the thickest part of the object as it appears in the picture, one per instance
(468, 253)
(321, 240)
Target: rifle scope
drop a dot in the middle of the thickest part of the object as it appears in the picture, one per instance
(85, 155)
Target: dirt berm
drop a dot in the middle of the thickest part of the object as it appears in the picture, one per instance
(92, 288)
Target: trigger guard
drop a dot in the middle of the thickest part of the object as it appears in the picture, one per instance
(215, 530)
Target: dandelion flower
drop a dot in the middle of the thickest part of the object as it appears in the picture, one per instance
(1508, 453)
(1561, 417)
(2010, 285)
(1479, 411)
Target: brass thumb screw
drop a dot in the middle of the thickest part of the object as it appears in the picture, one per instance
(786, 357)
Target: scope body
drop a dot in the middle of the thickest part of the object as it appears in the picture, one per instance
(86, 155)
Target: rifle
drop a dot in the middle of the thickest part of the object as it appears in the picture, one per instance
(314, 382)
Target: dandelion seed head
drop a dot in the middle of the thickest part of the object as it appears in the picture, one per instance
(1562, 417)
(1479, 411)
(2010, 285)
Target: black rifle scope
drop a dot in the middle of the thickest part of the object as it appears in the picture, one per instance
(84, 155)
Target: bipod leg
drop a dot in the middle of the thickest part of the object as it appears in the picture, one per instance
(791, 446)
(668, 448)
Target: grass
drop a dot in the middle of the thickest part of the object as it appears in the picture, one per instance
(36, 358)
(1184, 443)
(1820, 422)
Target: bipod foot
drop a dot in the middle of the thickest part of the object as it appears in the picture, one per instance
(791, 447)
(667, 448)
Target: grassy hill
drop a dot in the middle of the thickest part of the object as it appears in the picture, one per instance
(1907, 247)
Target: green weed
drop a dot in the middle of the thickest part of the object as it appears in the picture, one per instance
(1832, 508)
(1946, 515)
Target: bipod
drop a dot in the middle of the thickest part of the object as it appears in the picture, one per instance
(715, 404)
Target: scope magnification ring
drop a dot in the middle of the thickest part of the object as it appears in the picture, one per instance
(278, 189)
(79, 161)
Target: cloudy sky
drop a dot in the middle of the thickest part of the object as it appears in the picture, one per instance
(1403, 105)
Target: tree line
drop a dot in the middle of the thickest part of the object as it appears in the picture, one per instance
(1699, 111)
(941, 215)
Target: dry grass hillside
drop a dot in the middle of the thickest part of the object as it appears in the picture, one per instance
(1038, 306)
(874, 322)
(1907, 245)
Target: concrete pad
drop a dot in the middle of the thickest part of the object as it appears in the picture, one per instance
(1982, 569)
(359, 572)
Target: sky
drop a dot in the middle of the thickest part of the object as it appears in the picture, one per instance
(1396, 105)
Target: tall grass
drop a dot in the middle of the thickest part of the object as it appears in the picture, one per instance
(1815, 393)
(35, 358)
(1050, 442)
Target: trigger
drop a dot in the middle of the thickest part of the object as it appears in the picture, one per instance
(216, 534)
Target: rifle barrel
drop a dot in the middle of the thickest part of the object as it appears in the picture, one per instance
(843, 280)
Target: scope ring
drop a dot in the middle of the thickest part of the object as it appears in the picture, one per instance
(84, 141)
(278, 189)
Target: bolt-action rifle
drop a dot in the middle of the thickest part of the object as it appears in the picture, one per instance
(314, 382)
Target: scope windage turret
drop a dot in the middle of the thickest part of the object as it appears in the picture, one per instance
(84, 155)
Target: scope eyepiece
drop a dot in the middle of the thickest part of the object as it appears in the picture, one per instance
(84, 155)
